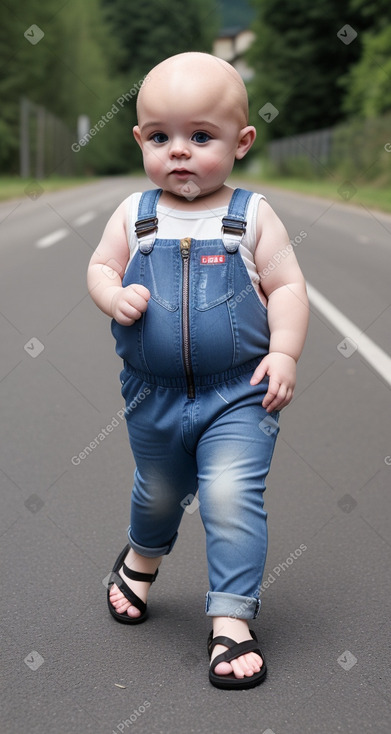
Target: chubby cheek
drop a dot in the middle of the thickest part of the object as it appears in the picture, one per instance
(154, 163)
(218, 164)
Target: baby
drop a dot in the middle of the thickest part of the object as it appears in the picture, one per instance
(209, 349)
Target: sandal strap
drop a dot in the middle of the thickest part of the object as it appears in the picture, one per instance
(132, 597)
(221, 640)
(226, 641)
(138, 576)
(238, 649)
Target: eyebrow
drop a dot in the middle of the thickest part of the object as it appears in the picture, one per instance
(205, 123)
(194, 123)
(151, 124)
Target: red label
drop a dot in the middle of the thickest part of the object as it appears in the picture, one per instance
(212, 259)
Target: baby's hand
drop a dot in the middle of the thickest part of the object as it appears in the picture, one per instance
(281, 369)
(129, 303)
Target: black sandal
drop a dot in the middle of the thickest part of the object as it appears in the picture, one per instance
(235, 650)
(135, 600)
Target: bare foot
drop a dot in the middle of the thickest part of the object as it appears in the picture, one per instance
(137, 563)
(238, 630)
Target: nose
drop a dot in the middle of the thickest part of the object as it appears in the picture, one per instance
(179, 148)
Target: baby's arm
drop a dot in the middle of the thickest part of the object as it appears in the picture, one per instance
(288, 309)
(106, 270)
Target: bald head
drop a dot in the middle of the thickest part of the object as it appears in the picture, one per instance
(196, 78)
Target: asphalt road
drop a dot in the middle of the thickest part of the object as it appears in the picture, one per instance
(67, 667)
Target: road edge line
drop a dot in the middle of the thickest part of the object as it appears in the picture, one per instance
(371, 352)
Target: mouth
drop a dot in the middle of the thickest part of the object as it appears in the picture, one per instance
(181, 172)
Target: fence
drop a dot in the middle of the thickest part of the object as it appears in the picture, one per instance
(316, 147)
(45, 143)
(356, 147)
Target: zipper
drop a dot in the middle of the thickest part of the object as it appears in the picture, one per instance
(185, 254)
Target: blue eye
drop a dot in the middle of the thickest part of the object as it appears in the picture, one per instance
(201, 137)
(159, 137)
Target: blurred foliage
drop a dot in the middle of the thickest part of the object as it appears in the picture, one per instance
(298, 60)
(368, 84)
(316, 81)
(65, 72)
(143, 44)
(375, 12)
(151, 31)
(91, 54)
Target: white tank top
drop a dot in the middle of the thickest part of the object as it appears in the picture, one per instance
(200, 225)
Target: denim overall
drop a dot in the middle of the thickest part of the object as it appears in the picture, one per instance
(194, 421)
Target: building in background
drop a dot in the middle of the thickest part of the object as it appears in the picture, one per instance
(231, 45)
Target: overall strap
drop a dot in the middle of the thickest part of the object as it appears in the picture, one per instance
(147, 222)
(234, 223)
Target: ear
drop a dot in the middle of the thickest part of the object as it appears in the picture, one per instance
(137, 135)
(247, 136)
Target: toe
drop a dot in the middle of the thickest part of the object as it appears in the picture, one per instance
(133, 611)
(243, 666)
(223, 669)
(115, 593)
(246, 665)
(240, 667)
(118, 600)
(121, 605)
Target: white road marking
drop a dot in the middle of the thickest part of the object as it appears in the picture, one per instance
(59, 234)
(52, 238)
(374, 355)
(84, 219)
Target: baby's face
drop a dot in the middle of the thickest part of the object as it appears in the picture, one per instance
(189, 134)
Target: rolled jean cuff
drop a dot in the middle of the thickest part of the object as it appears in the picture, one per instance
(151, 552)
(220, 604)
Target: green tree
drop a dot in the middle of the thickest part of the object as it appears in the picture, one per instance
(151, 31)
(298, 59)
(146, 33)
(367, 85)
(374, 13)
(24, 68)
(65, 72)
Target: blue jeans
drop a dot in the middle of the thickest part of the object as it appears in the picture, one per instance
(219, 444)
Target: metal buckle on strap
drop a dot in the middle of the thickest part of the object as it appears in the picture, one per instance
(145, 226)
(233, 226)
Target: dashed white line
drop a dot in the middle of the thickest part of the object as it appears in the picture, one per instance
(59, 234)
(84, 219)
(374, 355)
(52, 238)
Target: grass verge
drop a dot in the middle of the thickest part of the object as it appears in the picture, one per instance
(12, 187)
(371, 197)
